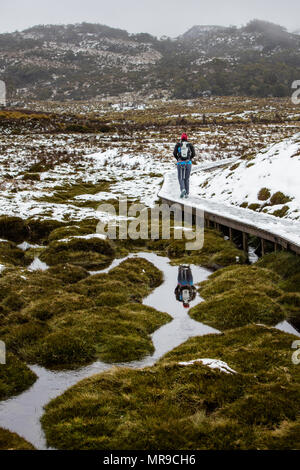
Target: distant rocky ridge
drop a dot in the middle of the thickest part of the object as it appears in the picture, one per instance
(90, 61)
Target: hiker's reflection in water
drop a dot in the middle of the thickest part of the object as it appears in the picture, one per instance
(185, 291)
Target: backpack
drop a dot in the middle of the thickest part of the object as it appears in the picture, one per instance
(185, 151)
(186, 295)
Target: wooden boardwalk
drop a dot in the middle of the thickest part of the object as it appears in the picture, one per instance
(282, 233)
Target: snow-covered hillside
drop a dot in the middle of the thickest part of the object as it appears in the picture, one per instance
(267, 182)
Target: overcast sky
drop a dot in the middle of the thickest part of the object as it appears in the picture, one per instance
(157, 17)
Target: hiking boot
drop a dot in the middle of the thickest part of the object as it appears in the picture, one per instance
(183, 193)
(186, 196)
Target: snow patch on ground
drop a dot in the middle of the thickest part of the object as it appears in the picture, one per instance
(86, 237)
(38, 265)
(26, 246)
(212, 363)
(276, 168)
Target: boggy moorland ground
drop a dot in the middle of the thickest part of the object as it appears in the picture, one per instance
(180, 403)
(65, 316)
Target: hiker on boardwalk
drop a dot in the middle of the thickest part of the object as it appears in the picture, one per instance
(185, 290)
(184, 152)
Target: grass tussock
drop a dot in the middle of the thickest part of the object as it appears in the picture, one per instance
(13, 229)
(285, 264)
(240, 295)
(215, 254)
(67, 193)
(93, 253)
(11, 255)
(15, 377)
(12, 441)
(190, 407)
(64, 318)
(264, 194)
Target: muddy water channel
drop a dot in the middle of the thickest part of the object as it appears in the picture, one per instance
(22, 413)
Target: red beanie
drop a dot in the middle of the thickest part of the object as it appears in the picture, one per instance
(184, 137)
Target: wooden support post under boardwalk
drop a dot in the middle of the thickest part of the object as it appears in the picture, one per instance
(230, 233)
(245, 242)
(262, 247)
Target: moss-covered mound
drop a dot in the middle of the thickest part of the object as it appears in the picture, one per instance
(64, 318)
(291, 303)
(40, 229)
(252, 349)
(69, 231)
(13, 229)
(237, 308)
(68, 192)
(11, 255)
(11, 441)
(117, 334)
(134, 278)
(68, 273)
(55, 305)
(240, 295)
(216, 252)
(15, 377)
(286, 265)
(27, 286)
(93, 253)
(237, 277)
(177, 406)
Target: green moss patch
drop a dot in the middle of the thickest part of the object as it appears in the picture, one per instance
(236, 308)
(264, 194)
(65, 194)
(68, 231)
(238, 295)
(173, 406)
(134, 278)
(15, 377)
(287, 266)
(283, 263)
(279, 198)
(12, 441)
(292, 284)
(111, 334)
(253, 349)
(57, 304)
(68, 273)
(13, 229)
(40, 229)
(237, 277)
(281, 212)
(10, 254)
(254, 207)
(27, 285)
(216, 252)
(93, 253)
(64, 318)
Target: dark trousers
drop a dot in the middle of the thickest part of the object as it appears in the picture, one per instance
(185, 276)
(184, 172)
